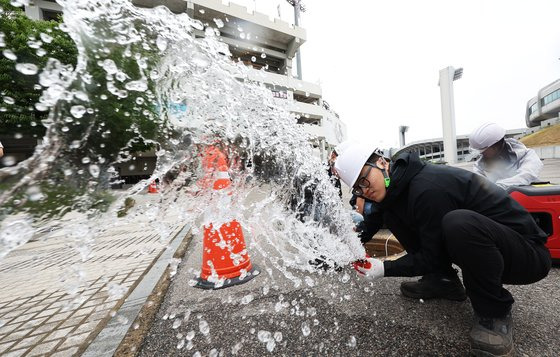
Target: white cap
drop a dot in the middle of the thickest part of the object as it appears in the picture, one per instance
(485, 136)
(340, 148)
(349, 164)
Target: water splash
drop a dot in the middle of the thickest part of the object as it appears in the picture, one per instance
(135, 68)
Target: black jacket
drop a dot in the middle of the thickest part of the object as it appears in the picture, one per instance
(421, 194)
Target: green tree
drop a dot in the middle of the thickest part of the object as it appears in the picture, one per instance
(32, 42)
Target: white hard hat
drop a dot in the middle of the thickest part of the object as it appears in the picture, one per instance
(485, 136)
(340, 148)
(351, 161)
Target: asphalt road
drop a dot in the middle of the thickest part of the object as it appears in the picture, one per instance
(339, 315)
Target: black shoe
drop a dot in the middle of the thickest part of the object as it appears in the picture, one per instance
(492, 336)
(435, 286)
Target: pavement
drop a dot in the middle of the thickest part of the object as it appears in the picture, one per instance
(59, 291)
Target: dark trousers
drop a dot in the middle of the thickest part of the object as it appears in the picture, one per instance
(491, 254)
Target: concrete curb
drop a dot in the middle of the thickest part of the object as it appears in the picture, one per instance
(109, 339)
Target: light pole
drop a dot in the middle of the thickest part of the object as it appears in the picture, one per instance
(298, 6)
(402, 130)
(446, 78)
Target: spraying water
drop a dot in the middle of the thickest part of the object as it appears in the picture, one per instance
(135, 67)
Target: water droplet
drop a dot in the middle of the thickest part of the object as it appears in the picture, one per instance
(9, 54)
(139, 86)
(305, 329)
(77, 111)
(9, 160)
(219, 23)
(264, 336)
(114, 290)
(28, 69)
(263, 55)
(64, 129)
(86, 160)
(247, 299)
(278, 336)
(201, 11)
(18, 135)
(45, 37)
(352, 342)
(9, 100)
(200, 60)
(110, 66)
(14, 232)
(94, 170)
(203, 327)
(139, 100)
(41, 52)
(181, 344)
(161, 43)
(190, 335)
(253, 59)
(19, 3)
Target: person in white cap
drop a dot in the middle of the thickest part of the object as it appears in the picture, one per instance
(443, 215)
(506, 162)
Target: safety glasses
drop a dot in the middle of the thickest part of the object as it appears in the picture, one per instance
(362, 182)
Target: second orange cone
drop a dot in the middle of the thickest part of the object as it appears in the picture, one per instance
(225, 261)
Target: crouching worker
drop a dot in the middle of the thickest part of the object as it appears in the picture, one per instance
(443, 215)
(506, 162)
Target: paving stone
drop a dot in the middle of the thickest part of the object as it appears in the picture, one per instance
(48, 312)
(59, 333)
(66, 353)
(75, 340)
(5, 346)
(16, 335)
(16, 353)
(84, 311)
(22, 318)
(95, 302)
(73, 321)
(87, 327)
(33, 323)
(26, 342)
(37, 308)
(59, 316)
(45, 328)
(9, 328)
(43, 348)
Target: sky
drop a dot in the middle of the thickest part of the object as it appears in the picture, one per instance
(378, 61)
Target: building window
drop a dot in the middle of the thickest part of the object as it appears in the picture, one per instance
(533, 108)
(551, 97)
(51, 15)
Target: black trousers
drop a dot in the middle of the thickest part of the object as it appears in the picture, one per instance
(491, 254)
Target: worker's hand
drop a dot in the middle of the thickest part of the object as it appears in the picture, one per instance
(370, 268)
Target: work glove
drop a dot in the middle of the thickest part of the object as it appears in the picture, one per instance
(370, 268)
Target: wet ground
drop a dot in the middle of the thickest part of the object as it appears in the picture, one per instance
(333, 315)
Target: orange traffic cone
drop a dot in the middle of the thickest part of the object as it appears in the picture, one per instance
(225, 261)
(152, 188)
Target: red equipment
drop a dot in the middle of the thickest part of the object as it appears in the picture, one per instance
(543, 202)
